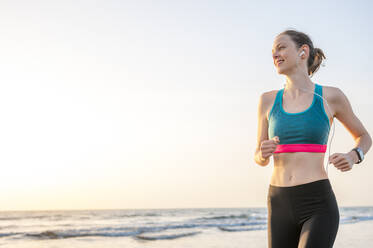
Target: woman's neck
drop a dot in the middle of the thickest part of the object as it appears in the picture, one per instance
(294, 85)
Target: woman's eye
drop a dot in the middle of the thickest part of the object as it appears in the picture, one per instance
(279, 48)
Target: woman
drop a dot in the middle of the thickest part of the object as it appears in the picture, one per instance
(293, 126)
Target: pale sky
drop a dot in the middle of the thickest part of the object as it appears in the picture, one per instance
(153, 104)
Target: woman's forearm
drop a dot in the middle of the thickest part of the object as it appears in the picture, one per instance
(259, 160)
(364, 142)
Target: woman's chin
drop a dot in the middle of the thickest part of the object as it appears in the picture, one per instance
(279, 71)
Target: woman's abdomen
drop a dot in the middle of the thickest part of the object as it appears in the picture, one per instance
(292, 169)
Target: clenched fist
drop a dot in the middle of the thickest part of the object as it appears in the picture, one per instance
(267, 147)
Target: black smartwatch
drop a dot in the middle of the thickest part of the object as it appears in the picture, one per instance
(360, 154)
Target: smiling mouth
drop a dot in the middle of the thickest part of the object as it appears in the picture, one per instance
(279, 62)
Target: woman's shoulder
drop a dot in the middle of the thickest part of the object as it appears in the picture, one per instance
(267, 100)
(336, 98)
(268, 97)
(332, 93)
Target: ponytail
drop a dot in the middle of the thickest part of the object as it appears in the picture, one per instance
(314, 60)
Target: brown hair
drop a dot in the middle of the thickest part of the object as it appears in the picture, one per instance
(316, 54)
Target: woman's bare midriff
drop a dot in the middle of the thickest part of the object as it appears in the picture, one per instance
(291, 169)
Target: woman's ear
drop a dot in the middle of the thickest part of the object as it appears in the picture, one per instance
(306, 50)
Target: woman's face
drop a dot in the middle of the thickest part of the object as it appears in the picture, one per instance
(285, 55)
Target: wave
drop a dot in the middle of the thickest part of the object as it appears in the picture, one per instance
(222, 217)
(355, 219)
(70, 234)
(135, 215)
(143, 232)
(8, 234)
(241, 229)
(166, 236)
(38, 217)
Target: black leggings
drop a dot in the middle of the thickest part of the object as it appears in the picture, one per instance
(301, 216)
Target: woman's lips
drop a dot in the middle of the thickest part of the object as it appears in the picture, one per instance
(279, 62)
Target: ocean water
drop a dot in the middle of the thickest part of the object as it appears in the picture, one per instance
(135, 228)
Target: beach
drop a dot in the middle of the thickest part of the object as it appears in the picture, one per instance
(162, 228)
(349, 235)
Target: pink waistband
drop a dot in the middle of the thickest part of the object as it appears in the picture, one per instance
(300, 148)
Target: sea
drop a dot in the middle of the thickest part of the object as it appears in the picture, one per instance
(136, 227)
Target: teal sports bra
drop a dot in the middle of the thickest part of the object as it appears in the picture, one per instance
(305, 131)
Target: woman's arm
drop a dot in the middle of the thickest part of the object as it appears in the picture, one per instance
(262, 132)
(345, 114)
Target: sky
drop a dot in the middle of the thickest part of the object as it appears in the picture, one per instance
(153, 104)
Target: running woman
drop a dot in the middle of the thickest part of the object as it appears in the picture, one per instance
(293, 126)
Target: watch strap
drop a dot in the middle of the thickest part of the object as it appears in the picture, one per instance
(358, 155)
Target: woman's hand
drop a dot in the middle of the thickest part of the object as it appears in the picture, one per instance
(342, 161)
(268, 147)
